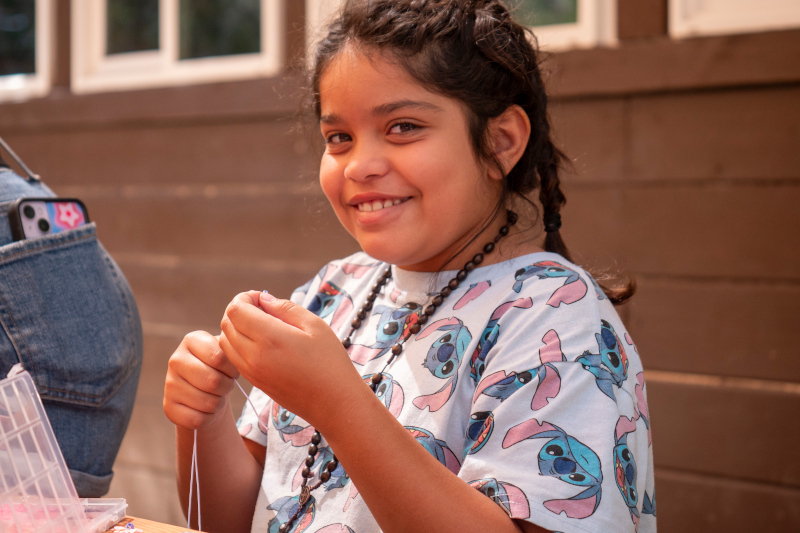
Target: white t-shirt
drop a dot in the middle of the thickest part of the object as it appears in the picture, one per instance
(524, 383)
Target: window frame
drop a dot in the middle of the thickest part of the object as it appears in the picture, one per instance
(690, 18)
(93, 71)
(596, 26)
(20, 87)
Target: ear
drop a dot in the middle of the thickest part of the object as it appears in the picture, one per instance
(509, 132)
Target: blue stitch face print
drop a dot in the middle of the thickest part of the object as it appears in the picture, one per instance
(571, 461)
(510, 384)
(327, 300)
(543, 270)
(509, 497)
(479, 430)
(610, 366)
(286, 508)
(488, 339)
(437, 448)
(489, 336)
(566, 458)
(393, 326)
(625, 466)
(283, 421)
(573, 289)
(389, 392)
(444, 359)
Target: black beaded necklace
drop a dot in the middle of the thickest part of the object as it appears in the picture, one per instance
(438, 300)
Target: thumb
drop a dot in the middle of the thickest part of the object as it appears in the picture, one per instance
(284, 310)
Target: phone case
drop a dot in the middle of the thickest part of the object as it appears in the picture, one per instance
(36, 217)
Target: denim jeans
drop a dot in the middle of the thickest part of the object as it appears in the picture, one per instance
(68, 315)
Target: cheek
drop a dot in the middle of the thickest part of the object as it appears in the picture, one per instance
(329, 181)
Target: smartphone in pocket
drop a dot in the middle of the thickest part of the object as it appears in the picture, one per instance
(36, 217)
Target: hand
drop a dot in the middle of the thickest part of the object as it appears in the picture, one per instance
(199, 379)
(290, 354)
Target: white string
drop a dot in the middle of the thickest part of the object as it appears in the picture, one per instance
(194, 477)
(260, 424)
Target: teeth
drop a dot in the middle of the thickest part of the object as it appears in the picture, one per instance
(377, 205)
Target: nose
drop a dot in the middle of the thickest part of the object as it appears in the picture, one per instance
(366, 162)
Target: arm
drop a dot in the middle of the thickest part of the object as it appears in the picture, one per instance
(199, 380)
(291, 355)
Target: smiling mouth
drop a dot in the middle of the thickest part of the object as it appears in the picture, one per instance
(377, 205)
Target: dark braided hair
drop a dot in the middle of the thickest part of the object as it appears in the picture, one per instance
(472, 51)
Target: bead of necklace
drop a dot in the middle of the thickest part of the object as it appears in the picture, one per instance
(397, 349)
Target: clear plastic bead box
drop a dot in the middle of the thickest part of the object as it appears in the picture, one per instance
(37, 494)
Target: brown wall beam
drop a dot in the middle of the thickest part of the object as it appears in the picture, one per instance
(637, 19)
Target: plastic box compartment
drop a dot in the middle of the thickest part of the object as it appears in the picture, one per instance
(36, 491)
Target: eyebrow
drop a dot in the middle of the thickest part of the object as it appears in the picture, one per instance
(385, 109)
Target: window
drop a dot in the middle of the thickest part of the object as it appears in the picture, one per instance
(25, 48)
(134, 44)
(557, 24)
(689, 18)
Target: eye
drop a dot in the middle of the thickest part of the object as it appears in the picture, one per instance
(626, 454)
(338, 138)
(519, 272)
(381, 390)
(284, 416)
(390, 328)
(447, 368)
(490, 492)
(446, 338)
(403, 127)
(612, 357)
(632, 493)
(524, 377)
(327, 304)
(554, 450)
(555, 269)
(577, 477)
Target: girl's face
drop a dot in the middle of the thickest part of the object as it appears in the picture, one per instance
(399, 168)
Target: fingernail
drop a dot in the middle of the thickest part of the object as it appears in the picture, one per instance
(267, 297)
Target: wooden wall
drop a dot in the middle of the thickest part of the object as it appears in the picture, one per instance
(686, 174)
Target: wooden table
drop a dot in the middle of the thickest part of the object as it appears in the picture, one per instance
(148, 526)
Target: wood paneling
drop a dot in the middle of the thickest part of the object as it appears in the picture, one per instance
(687, 502)
(731, 432)
(637, 19)
(714, 231)
(193, 294)
(722, 327)
(227, 152)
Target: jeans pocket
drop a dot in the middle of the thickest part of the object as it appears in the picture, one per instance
(70, 315)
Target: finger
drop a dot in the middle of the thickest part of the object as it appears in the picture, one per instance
(232, 352)
(253, 323)
(237, 326)
(250, 297)
(288, 312)
(205, 347)
(183, 392)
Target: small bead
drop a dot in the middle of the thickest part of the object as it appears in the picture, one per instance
(397, 348)
(346, 343)
(356, 323)
(470, 266)
(504, 231)
(377, 378)
(373, 386)
(430, 310)
(312, 450)
(414, 329)
(362, 313)
(367, 305)
(462, 275)
(453, 284)
(325, 476)
(478, 259)
(437, 300)
(331, 466)
(316, 438)
(488, 248)
(512, 217)
(445, 292)
(422, 319)
(371, 297)
(377, 287)
(310, 461)
(306, 473)
(285, 527)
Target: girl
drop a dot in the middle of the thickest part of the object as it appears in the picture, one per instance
(459, 375)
